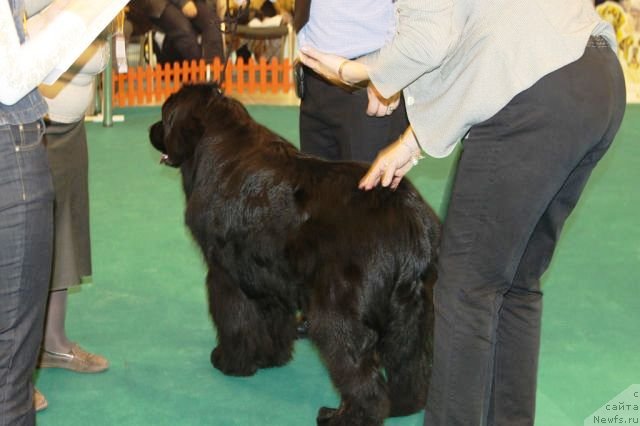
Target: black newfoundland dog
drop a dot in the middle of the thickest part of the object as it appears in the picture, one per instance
(280, 230)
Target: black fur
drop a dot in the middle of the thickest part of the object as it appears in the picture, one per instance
(278, 229)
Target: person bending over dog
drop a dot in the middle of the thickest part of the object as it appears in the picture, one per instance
(537, 92)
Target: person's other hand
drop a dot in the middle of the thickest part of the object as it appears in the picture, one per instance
(334, 67)
(324, 64)
(380, 106)
(190, 10)
(392, 163)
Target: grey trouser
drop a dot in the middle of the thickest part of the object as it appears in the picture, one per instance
(519, 177)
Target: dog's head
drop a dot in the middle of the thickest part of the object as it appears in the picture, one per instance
(183, 122)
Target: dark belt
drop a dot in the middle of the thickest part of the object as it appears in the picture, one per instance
(597, 41)
(308, 72)
(311, 73)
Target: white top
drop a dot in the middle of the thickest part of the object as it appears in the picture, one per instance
(348, 28)
(95, 15)
(24, 66)
(69, 97)
(55, 39)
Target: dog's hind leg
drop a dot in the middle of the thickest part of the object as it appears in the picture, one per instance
(406, 349)
(242, 335)
(278, 319)
(348, 348)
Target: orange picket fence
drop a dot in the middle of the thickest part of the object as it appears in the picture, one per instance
(151, 86)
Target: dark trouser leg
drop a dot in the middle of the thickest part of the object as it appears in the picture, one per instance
(334, 124)
(316, 131)
(515, 368)
(26, 227)
(365, 136)
(515, 364)
(208, 24)
(181, 42)
(519, 176)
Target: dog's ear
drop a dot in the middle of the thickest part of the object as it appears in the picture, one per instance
(183, 136)
(183, 127)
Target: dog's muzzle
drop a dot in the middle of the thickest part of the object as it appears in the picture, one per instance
(164, 159)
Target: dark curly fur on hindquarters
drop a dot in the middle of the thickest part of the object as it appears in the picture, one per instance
(277, 227)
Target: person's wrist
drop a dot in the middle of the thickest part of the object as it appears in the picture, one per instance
(341, 67)
(414, 150)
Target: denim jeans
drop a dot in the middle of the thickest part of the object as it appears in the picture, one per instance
(519, 177)
(26, 234)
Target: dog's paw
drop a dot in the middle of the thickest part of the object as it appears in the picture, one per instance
(406, 407)
(325, 414)
(276, 360)
(344, 417)
(230, 366)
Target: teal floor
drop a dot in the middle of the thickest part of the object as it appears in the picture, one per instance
(146, 311)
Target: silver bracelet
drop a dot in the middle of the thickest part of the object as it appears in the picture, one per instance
(415, 155)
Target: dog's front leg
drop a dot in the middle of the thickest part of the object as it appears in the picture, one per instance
(240, 332)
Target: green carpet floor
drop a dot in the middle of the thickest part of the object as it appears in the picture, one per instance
(145, 308)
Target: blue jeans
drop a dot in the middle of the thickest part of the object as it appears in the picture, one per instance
(26, 235)
(519, 177)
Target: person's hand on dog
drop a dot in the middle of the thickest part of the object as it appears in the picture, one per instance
(333, 67)
(378, 105)
(392, 163)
